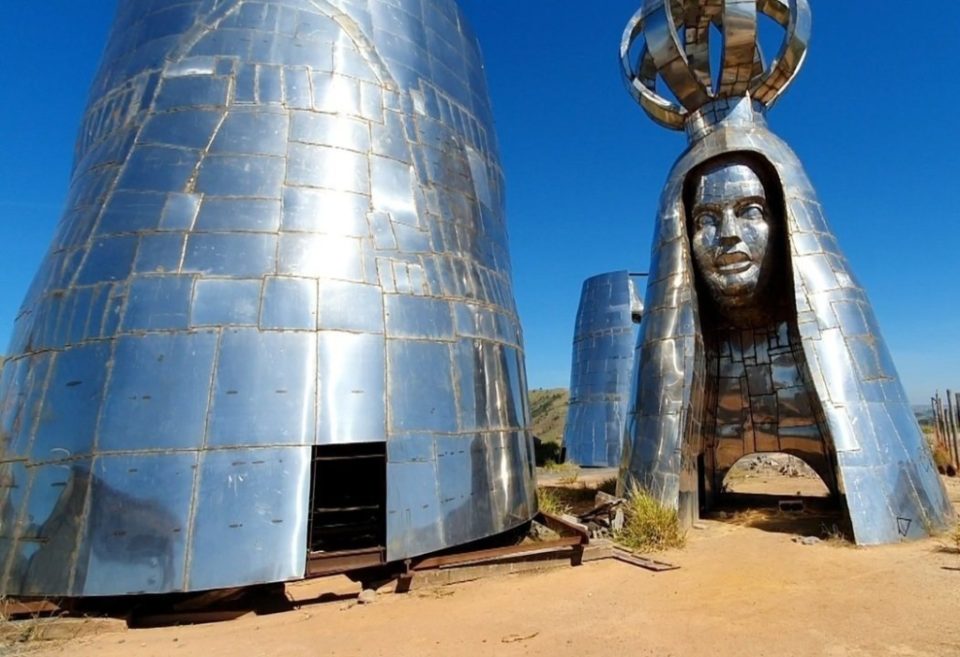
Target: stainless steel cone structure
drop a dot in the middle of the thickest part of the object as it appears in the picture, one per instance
(276, 319)
(757, 335)
(601, 370)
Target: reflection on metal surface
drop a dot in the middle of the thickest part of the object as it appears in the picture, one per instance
(285, 234)
(600, 379)
(757, 336)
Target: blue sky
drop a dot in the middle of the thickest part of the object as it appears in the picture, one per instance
(870, 116)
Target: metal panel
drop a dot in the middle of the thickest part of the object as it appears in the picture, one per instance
(413, 367)
(264, 389)
(249, 517)
(158, 392)
(48, 530)
(67, 418)
(136, 534)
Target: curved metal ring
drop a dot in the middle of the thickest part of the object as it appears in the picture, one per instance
(698, 47)
(641, 84)
(663, 41)
(778, 10)
(663, 54)
(794, 50)
(697, 24)
(739, 24)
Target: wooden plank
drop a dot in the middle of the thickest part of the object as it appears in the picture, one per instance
(643, 562)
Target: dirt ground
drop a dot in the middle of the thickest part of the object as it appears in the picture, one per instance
(740, 592)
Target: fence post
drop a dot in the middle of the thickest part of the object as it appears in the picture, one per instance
(944, 430)
(936, 422)
(952, 427)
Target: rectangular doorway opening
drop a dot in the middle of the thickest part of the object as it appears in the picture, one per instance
(348, 508)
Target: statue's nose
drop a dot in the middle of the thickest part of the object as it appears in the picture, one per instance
(729, 228)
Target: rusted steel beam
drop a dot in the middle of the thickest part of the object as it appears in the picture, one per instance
(562, 526)
(479, 556)
(320, 564)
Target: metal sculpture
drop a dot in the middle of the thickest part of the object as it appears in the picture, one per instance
(757, 336)
(601, 374)
(277, 319)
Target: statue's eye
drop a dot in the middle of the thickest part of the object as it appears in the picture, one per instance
(753, 211)
(706, 220)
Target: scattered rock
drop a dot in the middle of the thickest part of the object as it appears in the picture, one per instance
(541, 533)
(807, 540)
(367, 596)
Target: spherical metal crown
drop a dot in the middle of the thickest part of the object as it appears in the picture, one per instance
(676, 48)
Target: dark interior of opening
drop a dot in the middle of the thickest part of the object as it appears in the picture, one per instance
(348, 501)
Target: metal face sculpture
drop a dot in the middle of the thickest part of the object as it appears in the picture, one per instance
(731, 234)
(602, 369)
(757, 336)
(276, 321)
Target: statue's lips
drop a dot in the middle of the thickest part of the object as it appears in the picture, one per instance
(733, 263)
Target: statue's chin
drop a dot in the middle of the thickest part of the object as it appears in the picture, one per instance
(743, 302)
(733, 292)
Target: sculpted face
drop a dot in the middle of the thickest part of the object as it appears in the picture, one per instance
(731, 232)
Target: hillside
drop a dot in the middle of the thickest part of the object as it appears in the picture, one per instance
(549, 411)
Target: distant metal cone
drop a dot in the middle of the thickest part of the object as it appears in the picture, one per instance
(603, 354)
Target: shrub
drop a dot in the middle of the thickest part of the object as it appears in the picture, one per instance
(941, 457)
(649, 526)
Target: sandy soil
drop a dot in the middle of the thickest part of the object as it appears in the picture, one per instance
(741, 592)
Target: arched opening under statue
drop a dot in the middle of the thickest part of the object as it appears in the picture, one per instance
(773, 474)
(779, 492)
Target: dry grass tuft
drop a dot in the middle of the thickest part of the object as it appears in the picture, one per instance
(551, 501)
(649, 526)
(834, 536)
(941, 458)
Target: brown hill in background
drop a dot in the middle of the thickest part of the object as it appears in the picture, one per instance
(549, 411)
